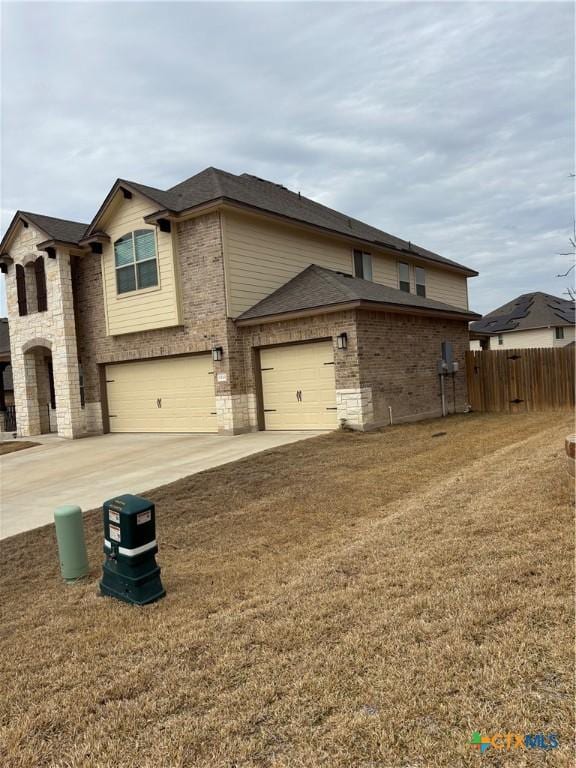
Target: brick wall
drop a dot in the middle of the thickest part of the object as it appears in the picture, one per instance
(398, 354)
(326, 326)
(204, 322)
(390, 359)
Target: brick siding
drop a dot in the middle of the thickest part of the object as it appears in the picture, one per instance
(397, 361)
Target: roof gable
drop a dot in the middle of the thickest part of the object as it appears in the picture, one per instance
(157, 196)
(54, 228)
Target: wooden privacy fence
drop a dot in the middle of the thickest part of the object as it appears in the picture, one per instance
(517, 380)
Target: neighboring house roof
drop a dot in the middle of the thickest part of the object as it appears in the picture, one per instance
(213, 185)
(318, 288)
(531, 310)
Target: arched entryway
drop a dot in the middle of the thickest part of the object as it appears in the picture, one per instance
(40, 391)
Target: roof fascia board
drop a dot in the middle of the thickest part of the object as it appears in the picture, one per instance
(118, 184)
(96, 237)
(190, 213)
(65, 244)
(389, 250)
(373, 306)
(227, 204)
(565, 323)
(12, 229)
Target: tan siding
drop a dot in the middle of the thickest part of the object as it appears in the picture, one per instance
(447, 287)
(384, 270)
(262, 256)
(150, 308)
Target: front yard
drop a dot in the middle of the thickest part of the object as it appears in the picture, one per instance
(15, 445)
(351, 601)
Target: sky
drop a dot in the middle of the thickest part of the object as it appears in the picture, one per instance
(447, 124)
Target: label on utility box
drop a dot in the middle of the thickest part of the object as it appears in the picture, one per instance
(144, 517)
(113, 517)
(114, 532)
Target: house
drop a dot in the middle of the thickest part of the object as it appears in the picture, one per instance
(6, 386)
(225, 304)
(531, 320)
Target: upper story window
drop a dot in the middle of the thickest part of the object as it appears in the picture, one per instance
(404, 276)
(363, 265)
(21, 290)
(136, 261)
(559, 332)
(420, 279)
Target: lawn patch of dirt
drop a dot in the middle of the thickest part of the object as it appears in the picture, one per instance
(350, 601)
(13, 445)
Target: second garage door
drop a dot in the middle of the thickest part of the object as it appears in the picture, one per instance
(298, 386)
(170, 395)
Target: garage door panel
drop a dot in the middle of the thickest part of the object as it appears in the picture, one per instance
(298, 386)
(169, 395)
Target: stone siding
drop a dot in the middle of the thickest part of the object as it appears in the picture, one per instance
(43, 334)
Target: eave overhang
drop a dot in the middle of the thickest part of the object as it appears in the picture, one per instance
(16, 219)
(236, 205)
(96, 237)
(118, 184)
(50, 247)
(372, 306)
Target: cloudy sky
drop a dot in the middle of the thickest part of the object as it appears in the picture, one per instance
(449, 124)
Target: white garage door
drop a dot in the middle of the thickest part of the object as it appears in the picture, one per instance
(298, 386)
(169, 395)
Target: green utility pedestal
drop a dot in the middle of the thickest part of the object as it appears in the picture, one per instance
(130, 572)
(71, 544)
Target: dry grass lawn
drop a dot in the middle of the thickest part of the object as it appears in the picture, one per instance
(351, 601)
(13, 445)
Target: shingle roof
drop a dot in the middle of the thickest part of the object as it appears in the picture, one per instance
(213, 184)
(316, 287)
(531, 310)
(57, 229)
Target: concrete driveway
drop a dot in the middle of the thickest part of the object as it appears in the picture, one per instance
(88, 471)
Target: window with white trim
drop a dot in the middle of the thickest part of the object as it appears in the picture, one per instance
(559, 332)
(404, 276)
(136, 261)
(420, 279)
(363, 265)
